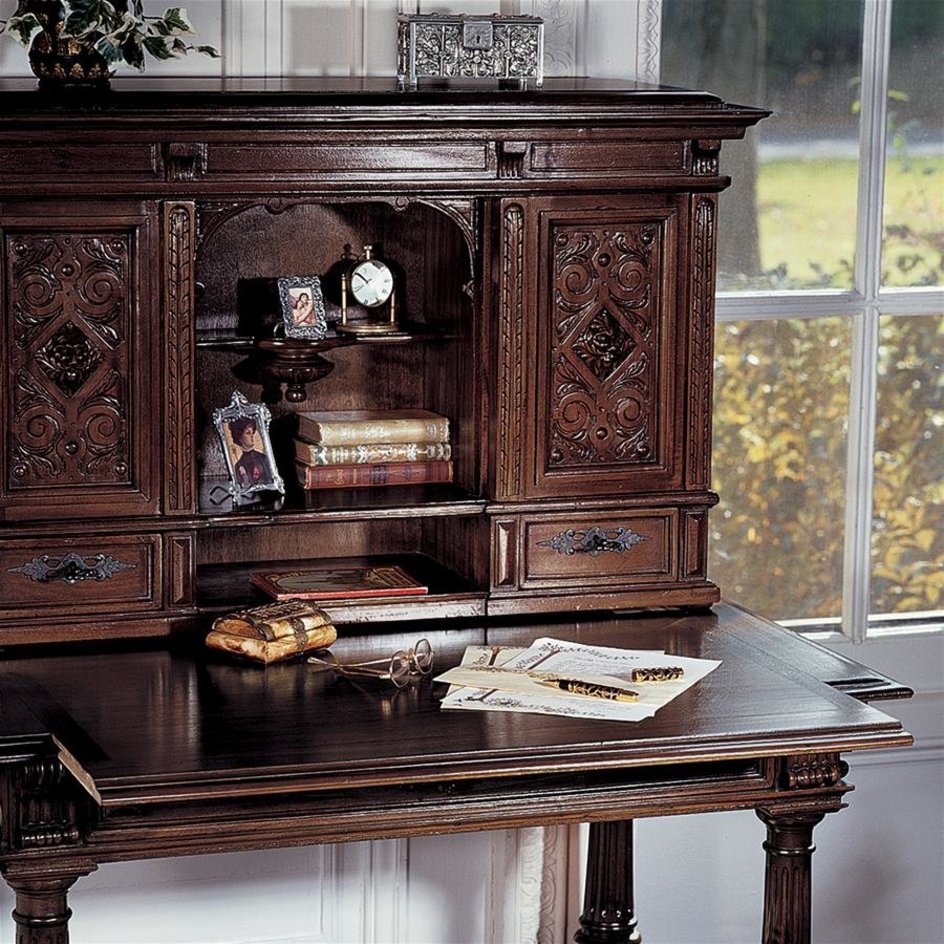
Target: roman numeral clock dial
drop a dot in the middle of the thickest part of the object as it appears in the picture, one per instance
(369, 284)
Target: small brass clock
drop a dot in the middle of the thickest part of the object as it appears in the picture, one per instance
(369, 283)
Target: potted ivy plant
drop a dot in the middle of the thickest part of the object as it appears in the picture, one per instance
(82, 41)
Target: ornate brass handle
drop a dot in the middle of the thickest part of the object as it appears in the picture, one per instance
(71, 568)
(594, 541)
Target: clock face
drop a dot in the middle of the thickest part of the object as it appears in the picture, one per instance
(371, 283)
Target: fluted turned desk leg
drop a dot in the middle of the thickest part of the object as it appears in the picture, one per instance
(41, 913)
(608, 916)
(788, 882)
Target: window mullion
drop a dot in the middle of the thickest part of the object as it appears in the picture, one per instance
(860, 467)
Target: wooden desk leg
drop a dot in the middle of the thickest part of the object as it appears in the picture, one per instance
(608, 916)
(787, 884)
(41, 913)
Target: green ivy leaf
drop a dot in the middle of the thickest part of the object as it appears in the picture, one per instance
(109, 51)
(210, 51)
(84, 16)
(133, 53)
(157, 47)
(23, 28)
(177, 20)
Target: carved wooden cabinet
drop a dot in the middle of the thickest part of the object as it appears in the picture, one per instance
(557, 255)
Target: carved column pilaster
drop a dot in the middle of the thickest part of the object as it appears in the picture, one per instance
(511, 352)
(179, 283)
(608, 916)
(702, 342)
(42, 913)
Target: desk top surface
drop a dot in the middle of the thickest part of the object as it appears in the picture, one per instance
(165, 721)
(329, 97)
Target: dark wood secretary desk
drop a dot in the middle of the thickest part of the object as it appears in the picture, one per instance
(556, 250)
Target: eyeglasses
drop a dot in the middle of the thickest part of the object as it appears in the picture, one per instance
(401, 667)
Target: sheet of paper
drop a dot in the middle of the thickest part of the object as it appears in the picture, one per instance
(572, 660)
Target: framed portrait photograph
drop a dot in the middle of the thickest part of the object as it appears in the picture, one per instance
(303, 311)
(244, 433)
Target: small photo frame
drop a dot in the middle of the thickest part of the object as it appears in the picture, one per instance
(303, 312)
(244, 433)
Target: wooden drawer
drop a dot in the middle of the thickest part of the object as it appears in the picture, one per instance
(608, 158)
(598, 551)
(80, 577)
(93, 161)
(299, 161)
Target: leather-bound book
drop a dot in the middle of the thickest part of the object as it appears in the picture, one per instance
(273, 632)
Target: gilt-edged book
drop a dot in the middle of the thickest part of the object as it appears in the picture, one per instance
(338, 583)
(370, 453)
(347, 427)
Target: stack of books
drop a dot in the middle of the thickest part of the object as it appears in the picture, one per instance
(273, 632)
(345, 449)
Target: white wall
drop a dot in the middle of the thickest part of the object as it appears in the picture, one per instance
(878, 874)
(358, 37)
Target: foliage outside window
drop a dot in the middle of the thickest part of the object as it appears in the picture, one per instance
(829, 406)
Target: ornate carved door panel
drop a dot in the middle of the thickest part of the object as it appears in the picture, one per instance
(606, 411)
(77, 327)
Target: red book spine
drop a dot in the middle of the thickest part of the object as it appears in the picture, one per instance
(372, 474)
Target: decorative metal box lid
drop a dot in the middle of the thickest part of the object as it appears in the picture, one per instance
(440, 45)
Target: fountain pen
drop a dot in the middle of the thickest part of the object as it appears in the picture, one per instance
(577, 687)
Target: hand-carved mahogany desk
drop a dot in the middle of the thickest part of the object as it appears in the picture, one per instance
(129, 753)
(555, 256)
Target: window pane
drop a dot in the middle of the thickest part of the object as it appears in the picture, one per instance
(781, 398)
(789, 219)
(908, 526)
(914, 171)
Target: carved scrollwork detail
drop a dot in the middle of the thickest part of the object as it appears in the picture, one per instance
(705, 158)
(184, 161)
(810, 771)
(46, 811)
(71, 568)
(465, 214)
(605, 342)
(70, 359)
(511, 158)
(594, 541)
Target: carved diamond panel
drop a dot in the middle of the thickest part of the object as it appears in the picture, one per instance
(604, 345)
(68, 359)
(68, 311)
(605, 342)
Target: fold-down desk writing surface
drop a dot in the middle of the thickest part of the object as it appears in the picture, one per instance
(152, 724)
(142, 752)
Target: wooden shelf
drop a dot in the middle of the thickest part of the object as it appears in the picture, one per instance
(435, 500)
(225, 587)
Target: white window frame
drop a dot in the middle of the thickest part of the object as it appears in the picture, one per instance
(863, 306)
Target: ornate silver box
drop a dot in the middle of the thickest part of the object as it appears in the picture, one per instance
(446, 46)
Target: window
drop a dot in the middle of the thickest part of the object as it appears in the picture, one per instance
(829, 388)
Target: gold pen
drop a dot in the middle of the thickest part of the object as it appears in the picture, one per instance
(576, 687)
(660, 673)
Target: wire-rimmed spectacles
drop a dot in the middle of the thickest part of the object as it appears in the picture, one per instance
(400, 668)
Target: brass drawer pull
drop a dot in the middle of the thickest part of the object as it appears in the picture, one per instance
(594, 541)
(71, 568)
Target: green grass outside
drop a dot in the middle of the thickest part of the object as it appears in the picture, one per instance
(807, 220)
